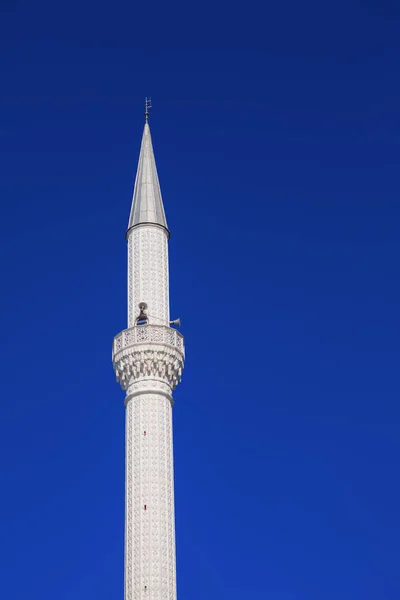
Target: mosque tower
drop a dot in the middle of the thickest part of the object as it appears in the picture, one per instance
(148, 360)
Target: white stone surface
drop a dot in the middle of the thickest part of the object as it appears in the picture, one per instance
(148, 273)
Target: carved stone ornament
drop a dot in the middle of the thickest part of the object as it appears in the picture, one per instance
(149, 352)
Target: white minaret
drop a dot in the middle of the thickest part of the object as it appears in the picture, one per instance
(148, 359)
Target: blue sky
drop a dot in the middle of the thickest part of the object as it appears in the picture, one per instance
(276, 131)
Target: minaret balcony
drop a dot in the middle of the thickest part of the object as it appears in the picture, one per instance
(148, 351)
(148, 334)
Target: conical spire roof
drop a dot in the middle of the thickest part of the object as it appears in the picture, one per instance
(147, 204)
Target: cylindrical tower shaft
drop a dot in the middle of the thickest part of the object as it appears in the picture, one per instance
(149, 526)
(148, 273)
(148, 360)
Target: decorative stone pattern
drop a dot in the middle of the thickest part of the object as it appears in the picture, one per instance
(148, 386)
(132, 312)
(148, 273)
(149, 527)
(158, 334)
(148, 352)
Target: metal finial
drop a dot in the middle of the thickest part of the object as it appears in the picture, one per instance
(147, 106)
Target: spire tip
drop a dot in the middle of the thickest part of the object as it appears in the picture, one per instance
(147, 106)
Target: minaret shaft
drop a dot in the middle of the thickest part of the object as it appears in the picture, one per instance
(148, 273)
(149, 524)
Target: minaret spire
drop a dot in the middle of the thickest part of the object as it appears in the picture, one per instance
(147, 204)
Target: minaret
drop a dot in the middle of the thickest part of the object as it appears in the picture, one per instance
(148, 359)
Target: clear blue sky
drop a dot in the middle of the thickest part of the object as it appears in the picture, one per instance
(276, 130)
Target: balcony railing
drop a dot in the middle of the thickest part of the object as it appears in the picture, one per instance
(145, 334)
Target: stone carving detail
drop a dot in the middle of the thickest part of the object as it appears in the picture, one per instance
(149, 351)
(158, 334)
(149, 532)
(165, 365)
(148, 273)
(131, 310)
(129, 532)
(148, 385)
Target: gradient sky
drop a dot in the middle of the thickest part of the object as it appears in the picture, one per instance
(276, 130)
